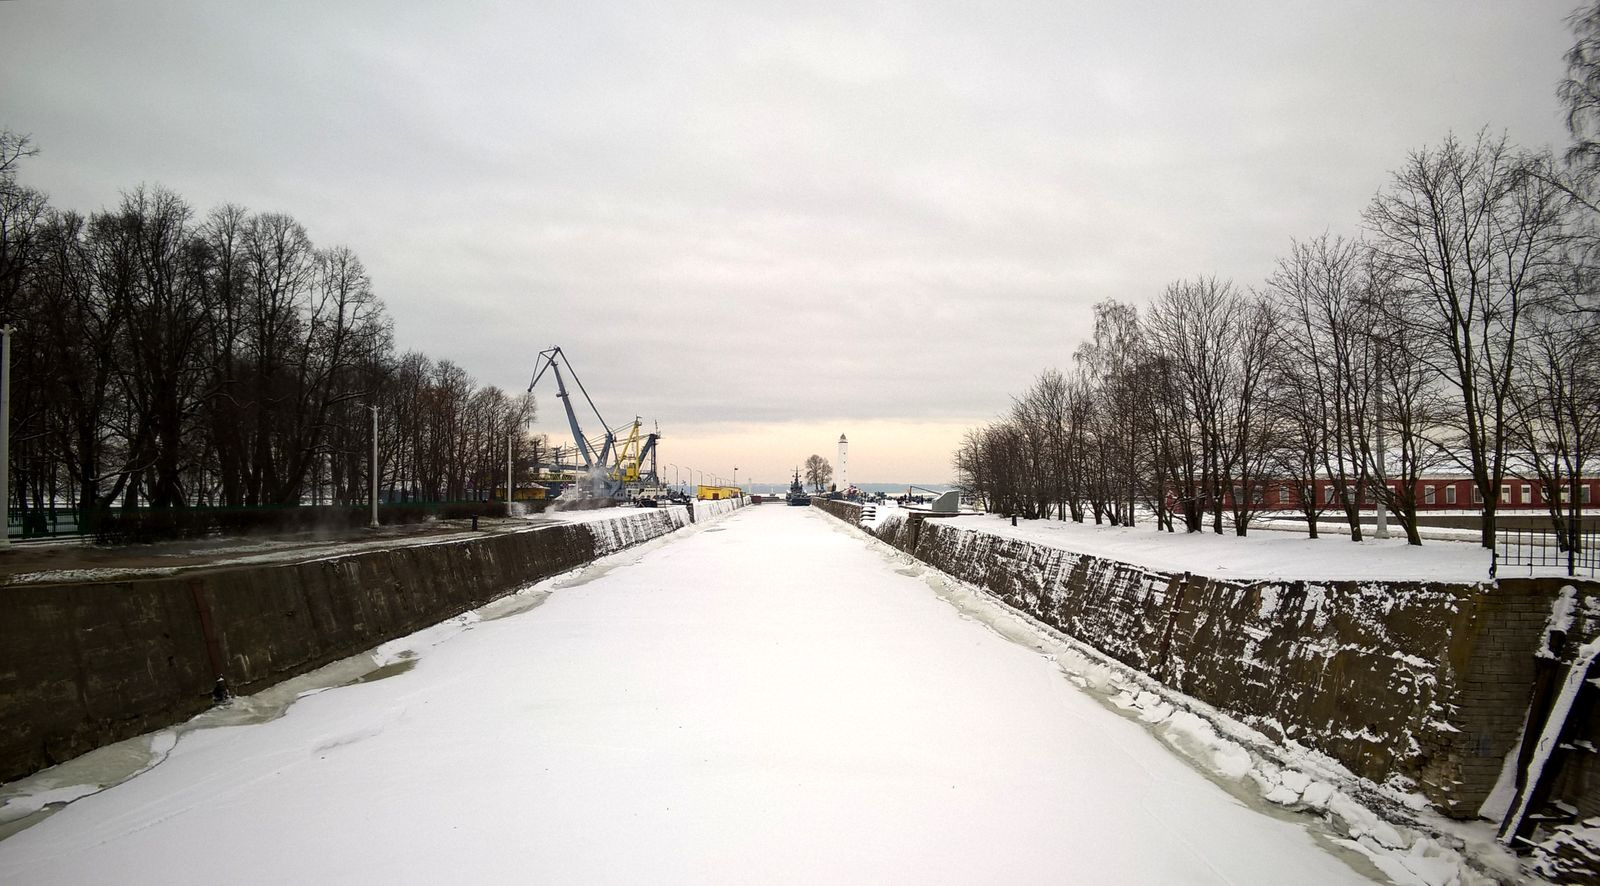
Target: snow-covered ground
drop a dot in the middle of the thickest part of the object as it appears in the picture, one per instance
(248, 552)
(767, 698)
(1261, 554)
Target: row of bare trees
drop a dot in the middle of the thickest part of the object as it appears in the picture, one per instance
(1460, 332)
(166, 359)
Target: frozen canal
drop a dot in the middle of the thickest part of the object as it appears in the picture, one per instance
(765, 699)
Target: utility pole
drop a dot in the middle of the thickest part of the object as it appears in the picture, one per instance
(510, 438)
(374, 472)
(1381, 529)
(5, 436)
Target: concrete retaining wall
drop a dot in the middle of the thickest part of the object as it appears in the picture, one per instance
(711, 509)
(86, 664)
(1425, 680)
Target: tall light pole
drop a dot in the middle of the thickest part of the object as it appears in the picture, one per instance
(5, 435)
(510, 441)
(374, 523)
(1380, 528)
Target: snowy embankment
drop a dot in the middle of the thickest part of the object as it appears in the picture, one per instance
(701, 716)
(1383, 675)
(712, 509)
(1393, 828)
(617, 528)
(1410, 841)
(1272, 555)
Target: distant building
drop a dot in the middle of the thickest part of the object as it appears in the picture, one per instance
(1434, 493)
(844, 463)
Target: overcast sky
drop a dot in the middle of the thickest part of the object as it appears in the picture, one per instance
(762, 224)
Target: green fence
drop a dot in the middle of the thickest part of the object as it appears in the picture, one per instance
(155, 523)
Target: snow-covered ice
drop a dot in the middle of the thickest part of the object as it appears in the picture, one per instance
(767, 698)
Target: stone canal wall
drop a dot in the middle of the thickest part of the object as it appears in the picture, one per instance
(711, 509)
(89, 663)
(1425, 680)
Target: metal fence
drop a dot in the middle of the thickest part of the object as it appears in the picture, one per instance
(1541, 549)
(63, 522)
(46, 523)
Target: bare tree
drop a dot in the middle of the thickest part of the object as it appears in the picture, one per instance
(1580, 91)
(1193, 325)
(1409, 404)
(1320, 289)
(1473, 232)
(1252, 435)
(818, 472)
(1170, 455)
(1109, 362)
(23, 215)
(1557, 399)
(153, 269)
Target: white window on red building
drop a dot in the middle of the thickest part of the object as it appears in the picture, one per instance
(1450, 494)
(1427, 495)
(1505, 493)
(1327, 495)
(1477, 495)
(1585, 496)
(1283, 495)
(1527, 493)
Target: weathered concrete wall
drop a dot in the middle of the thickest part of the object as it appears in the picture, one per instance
(1427, 680)
(82, 665)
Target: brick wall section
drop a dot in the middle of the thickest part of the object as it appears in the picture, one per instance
(1426, 680)
(83, 665)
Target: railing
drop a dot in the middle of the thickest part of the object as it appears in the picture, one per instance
(1542, 549)
(63, 522)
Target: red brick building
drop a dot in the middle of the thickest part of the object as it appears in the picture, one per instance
(1435, 493)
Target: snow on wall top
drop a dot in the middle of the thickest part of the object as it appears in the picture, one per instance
(1258, 556)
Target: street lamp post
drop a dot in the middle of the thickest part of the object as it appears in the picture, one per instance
(374, 523)
(1380, 528)
(5, 435)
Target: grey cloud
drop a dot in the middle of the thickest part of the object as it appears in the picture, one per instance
(753, 213)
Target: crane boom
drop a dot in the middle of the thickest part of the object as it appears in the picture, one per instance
(572, 418)
(547, 360)
(612, 465)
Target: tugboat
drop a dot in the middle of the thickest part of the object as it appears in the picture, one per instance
(797, 493)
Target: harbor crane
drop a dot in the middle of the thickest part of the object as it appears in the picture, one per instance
(612, 469)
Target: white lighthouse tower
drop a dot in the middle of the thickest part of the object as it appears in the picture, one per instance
(844, 463)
